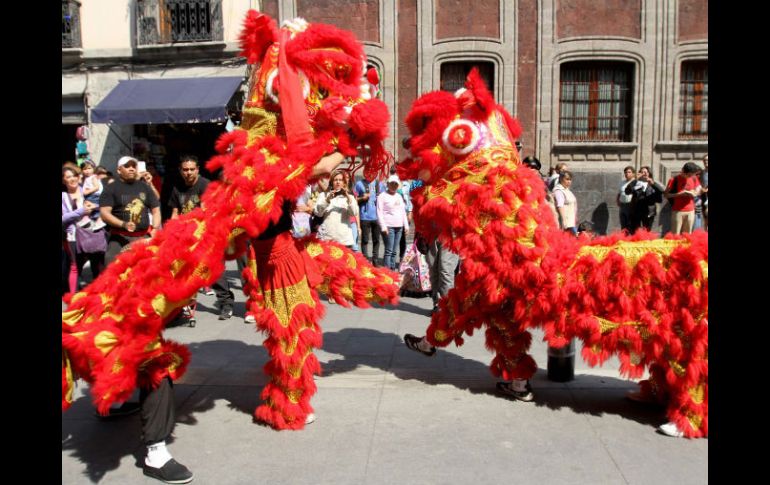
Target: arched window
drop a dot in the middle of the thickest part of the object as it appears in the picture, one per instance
(453, 74)
(694, 100)
(595, 101)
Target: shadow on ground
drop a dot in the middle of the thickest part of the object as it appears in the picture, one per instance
(592, 394)
(102, 444)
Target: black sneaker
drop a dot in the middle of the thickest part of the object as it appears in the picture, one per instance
(171, 472)
(505, 388)
(412, 343)
(226, 313)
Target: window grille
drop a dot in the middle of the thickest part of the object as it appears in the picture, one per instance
(595, 101)
(70, 24)
(694, 100)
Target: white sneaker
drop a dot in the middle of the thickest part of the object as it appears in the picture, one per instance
(98, 225)
(671, 429)
(249, 319)
(309, 418)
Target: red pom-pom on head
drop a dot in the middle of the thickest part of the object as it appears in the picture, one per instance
(373, 76)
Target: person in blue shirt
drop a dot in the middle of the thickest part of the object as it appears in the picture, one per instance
(366, 192)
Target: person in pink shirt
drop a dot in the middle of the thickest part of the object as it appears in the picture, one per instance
(681, 191)
(391, 215)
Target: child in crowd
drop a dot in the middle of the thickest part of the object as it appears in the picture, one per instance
(92, 190)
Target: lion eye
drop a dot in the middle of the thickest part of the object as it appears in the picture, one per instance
(323, 93)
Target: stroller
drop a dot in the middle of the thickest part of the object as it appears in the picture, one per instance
(415, 276)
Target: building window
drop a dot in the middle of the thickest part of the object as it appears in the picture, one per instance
(176, 21)
(453, 74)
(70, 24)
(595, 101)
(694, 100)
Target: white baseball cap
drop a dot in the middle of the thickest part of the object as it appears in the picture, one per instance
(125, 160)
(394, 178)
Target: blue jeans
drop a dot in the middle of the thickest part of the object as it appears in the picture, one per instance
(354, 230)
(391, 246)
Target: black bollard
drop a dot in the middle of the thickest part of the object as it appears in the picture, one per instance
(561, 362)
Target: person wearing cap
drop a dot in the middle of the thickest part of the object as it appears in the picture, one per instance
(126, 207)
(391, 215)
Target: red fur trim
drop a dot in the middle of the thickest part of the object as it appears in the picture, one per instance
(259, 31)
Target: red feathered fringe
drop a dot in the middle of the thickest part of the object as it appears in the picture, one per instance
(111, 329)
(637, 297)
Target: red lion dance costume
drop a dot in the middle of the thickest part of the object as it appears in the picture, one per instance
(641, 298)
(308, 97)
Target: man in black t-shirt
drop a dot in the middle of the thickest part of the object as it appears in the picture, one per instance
(126, 205)
(187, 197)
(184, 198)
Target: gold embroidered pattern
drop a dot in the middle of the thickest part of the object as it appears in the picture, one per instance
(202, 271)
(296, 370)
(314, 249)
(163, 307)
(294, 395)
(367, 273)
(296, 173)
(117, 366)
(697, 393)
(335, 252)
(201, 227)
(270, 158)
(152, 346)
(258, 122)
(283, 301)
(440, 335)
(175, 266)
(607, 326)
(694, 420)
(347, 290)
(351, 261)
(677, 368)
(105, 341)
(71, 317)
(248, 172)
(633, 251)
(67, 366)
(287, 347)
(263, 200)
(124, 275)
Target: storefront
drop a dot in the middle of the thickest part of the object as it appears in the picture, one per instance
(172, 118)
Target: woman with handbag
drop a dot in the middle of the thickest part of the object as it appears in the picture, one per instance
(80, 244)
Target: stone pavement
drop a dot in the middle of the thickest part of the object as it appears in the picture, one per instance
(386, 415)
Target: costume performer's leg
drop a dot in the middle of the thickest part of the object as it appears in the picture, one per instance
(158, 412)
(510, 345)
(288, 311)
(460, 312)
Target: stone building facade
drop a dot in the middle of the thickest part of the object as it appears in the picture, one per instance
(598, 84)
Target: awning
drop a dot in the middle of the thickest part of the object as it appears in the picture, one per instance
(186, 100)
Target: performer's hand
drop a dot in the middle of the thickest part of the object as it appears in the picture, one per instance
(130, 226)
